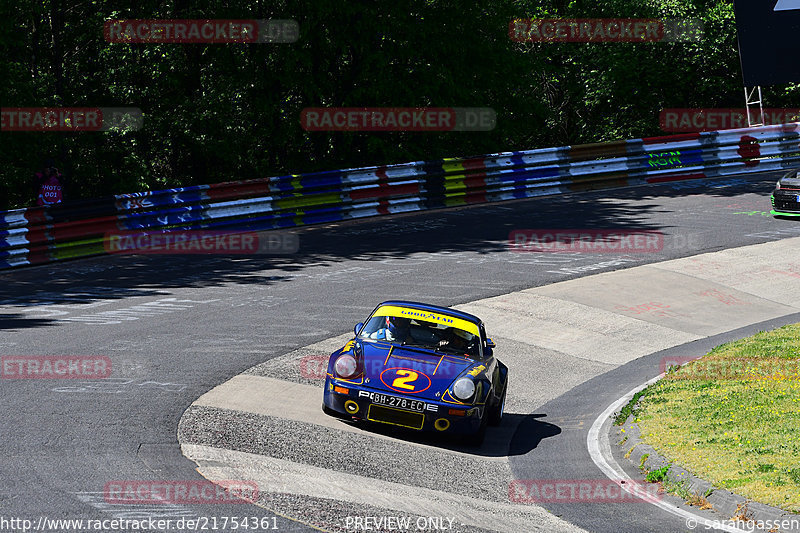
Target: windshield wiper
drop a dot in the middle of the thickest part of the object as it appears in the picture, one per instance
(451, 349)
(413, 345)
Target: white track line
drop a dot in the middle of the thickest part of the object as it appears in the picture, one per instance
(600, 451)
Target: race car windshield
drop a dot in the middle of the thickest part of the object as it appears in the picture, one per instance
(421, 333)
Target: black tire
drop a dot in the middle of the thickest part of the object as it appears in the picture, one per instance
(497, 409)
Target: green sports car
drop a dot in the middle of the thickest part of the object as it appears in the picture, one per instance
(786, 196)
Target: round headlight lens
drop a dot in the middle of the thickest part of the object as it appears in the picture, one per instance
(464, 388)
(345, 366)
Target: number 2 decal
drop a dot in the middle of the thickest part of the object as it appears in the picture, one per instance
(405, 381)
(402, 382)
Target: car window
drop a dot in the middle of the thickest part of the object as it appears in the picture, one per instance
(421, 333)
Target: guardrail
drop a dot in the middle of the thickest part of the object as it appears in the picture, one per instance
(45, 234)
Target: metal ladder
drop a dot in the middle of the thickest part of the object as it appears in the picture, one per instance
(750, 101)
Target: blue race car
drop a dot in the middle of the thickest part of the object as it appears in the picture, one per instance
(420, 367)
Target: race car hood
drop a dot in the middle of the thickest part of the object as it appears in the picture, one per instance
(412, 372)
(790, 183)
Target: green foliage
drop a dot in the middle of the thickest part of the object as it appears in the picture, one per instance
(657, 475)
(229, 112)
(631, 408)
(643, 460)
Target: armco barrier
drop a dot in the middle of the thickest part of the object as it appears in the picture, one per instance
(45, 234)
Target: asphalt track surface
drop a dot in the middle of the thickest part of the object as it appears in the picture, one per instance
(174, 327)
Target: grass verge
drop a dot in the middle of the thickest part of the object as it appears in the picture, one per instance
(733, 417)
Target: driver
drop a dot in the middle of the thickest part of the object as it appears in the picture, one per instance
(396, 329)
(460, 340)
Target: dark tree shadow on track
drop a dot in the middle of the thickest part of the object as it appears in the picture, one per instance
(531, 429)
(517, 435)
(18, 321)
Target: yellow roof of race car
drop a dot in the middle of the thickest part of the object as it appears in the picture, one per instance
(429, 316)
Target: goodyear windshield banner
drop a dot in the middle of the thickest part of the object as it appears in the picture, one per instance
(428, 316)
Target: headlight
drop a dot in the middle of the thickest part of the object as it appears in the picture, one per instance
(345, 366)
(778, 185)
(463, 389)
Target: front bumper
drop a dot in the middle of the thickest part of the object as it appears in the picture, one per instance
(786, 202)
(359, 407)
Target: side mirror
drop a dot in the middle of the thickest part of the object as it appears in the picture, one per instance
(490, 345)
(358, 327)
